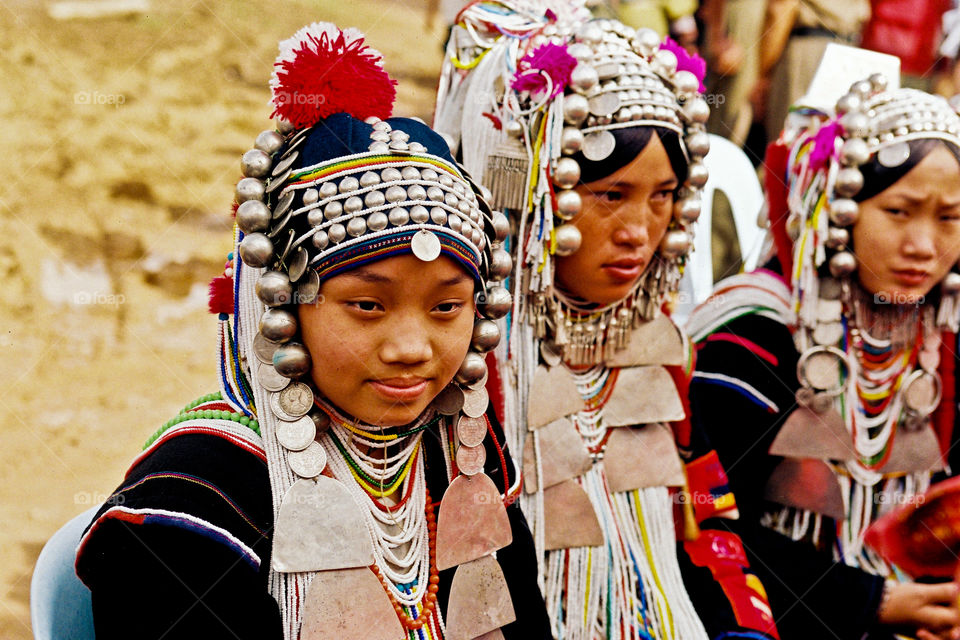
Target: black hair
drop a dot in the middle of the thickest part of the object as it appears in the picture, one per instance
(631, 141)
(877, 178)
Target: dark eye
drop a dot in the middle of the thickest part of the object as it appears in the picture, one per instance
(612, 196)
(447, 308)
(365, 306)
(894, 211)
(663, 194)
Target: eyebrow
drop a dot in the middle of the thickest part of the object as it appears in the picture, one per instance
(365, 275)
(455, 280)
(620, 184)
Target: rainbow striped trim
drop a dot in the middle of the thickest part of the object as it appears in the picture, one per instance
(355, 163)
(394, 244)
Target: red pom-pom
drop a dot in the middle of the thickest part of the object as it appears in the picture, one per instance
(323, 70)
(221, 295)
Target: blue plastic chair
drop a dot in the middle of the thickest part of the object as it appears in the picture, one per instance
(60, 605)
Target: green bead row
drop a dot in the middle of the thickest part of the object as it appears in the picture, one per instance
(208, 414)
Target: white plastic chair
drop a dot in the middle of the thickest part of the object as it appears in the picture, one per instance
(731, 173)
(60, 605)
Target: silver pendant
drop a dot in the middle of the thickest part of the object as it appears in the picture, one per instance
(604, 104)
(828, 333)
(263, 349)
(922, 391)
(808, 434)
(269, 379)
(562, 455)
(296, 436)
(641, 457)
(425, 245)
(475, 402)
(470, 460)
(657, 341)
(320, 527)
(283, 205)
(278, 410)
(643, 395)
(286, 162)
(551, 356)
(472, 521)
(824, 368)
(309, 288)
(449, 401)
(914, 451)
(296, 400)
(598, 145)
(553, 395)
(298, 265)
(348, 604)
(479, 602)
(569, 518)
(829, 310)
(894, 155)
(308, 463)
(471, 431)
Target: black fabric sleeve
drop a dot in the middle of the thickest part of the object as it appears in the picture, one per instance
(810, 595)
(182, 548)
(164, 582)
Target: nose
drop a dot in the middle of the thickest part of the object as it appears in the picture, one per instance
(920, 242)
(407, 342)
(632, 232)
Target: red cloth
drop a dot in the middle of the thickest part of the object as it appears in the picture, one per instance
(908, 29)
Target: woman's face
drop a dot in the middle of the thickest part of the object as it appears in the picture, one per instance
(908, 237)
(386, 337)
(623, 219)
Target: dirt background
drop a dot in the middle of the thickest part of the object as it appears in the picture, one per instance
(123, 136)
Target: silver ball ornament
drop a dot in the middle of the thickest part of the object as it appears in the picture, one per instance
(494, 302)
(501, 226)
(590, 33)
(849, 182)
(269, 142)
(855, 124)
(854, 152)
(278, 325)
(274, 288)
(571, 140)
(697, 175)
(567, 173)
(250, 189)
(842, 264)
(664, 63)
(569, 204)
(646, 42)
(575, 109)
(675, 243)
(292, 360)
(837, 238)
(500, 264)
(878, 82)
(843, 212)
(253, 216)
(255, 164)
(256, 250)
(696, 110)
(686, 83)
(698, 143)
(284, 126)
(688, 209)
(584, 78)
(472, 369)
(848, 103)
(486, 335)
(568, 239)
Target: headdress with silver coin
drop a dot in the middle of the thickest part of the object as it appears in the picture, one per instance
(523, 109)
(336, 186)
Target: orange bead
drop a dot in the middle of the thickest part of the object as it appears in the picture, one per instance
(433, 589)
(434, 579)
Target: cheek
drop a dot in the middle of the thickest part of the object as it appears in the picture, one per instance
(453, 341)
(337, 349)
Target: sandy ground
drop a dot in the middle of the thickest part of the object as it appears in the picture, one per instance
(123, 137)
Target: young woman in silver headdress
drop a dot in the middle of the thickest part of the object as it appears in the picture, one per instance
(590, 135)
(345, 482)
(826, 383)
